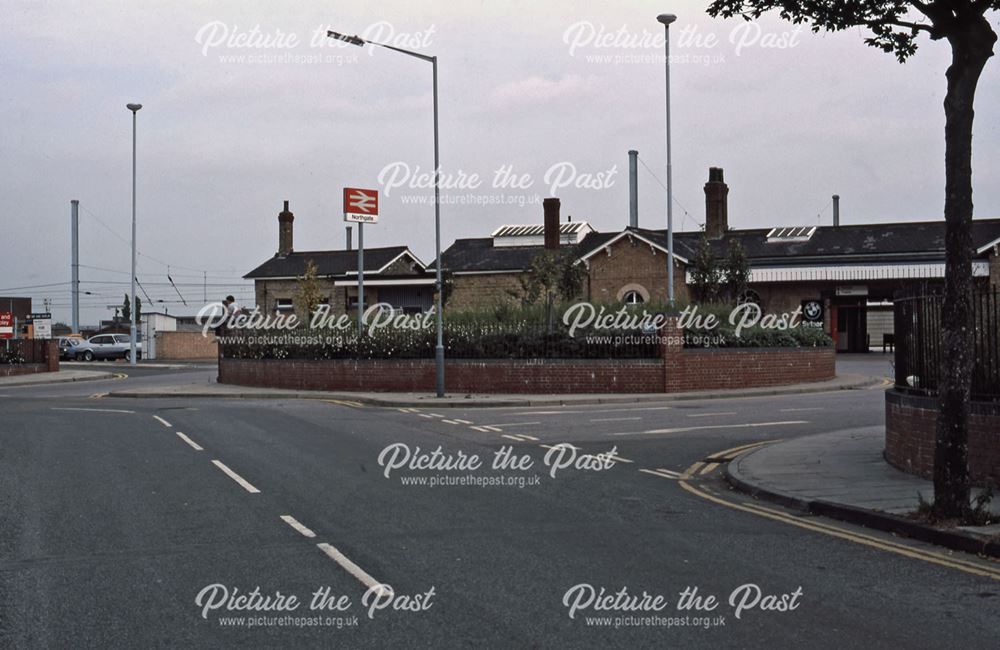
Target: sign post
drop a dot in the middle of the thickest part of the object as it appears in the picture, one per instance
(41, 325)
(361, 207)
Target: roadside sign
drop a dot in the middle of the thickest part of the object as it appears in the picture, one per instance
(6, 325)
(41, 325)
(360, 205)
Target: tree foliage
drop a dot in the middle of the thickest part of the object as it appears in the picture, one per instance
(309, 293)
(706, 275)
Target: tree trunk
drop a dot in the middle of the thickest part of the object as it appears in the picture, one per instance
(972, 45)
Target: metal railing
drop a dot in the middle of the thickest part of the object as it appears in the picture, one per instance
(919, 355)
(18, 351)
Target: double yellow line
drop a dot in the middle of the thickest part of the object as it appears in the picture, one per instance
(834, 531)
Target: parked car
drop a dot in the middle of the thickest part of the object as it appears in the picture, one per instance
(106, 346)
(67, 345)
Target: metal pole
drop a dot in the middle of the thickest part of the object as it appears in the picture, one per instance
(75, 248)
(666, 19)
(361, 278)
(439, 350)
(131, 329)
(633, 189)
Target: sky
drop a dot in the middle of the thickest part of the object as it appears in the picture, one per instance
(246, 105)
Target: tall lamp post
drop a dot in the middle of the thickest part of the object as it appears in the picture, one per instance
(132, 355)
(439, 349)
(666, 19)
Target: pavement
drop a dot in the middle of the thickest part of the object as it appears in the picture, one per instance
(55, 377)
(843, 474)
(230, 391)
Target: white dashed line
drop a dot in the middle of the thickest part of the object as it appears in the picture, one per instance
(162, 421)
(492, 428)
(236, 477)
(67, 408)
(291, 521)
(712, 426)
(663, 473)
(189, 441)
(354, 569)
(614, 419)
(709, 415)
(452, 422)
(813, 408)
(512, 424)
(517, 438)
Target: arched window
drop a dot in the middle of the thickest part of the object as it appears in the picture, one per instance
(633, 298)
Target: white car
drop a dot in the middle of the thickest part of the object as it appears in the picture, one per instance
(106, 346)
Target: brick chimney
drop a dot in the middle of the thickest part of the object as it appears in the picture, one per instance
(716, 204)
(551, 209)
(285, 219)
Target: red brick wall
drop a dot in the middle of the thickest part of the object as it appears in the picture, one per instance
(910, 431)
(461, 376)
(23, 369)
(186, 345)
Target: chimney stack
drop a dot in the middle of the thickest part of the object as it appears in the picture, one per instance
(350, 245)
(836, 210)
(633, 189)
(285, 219)
(716, 204)
(551, 209)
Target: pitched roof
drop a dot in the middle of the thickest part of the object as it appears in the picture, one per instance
(918, 240)
(479, 254)
(339, 262)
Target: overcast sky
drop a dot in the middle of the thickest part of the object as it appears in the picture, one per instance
(540, 88)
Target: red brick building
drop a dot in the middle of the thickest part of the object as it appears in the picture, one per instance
(844, 275)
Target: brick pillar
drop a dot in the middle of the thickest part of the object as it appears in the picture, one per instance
(52, 355)
(672, 347)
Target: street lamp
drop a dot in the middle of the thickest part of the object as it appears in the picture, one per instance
(666, 19)
(439, 349)
(135, 109)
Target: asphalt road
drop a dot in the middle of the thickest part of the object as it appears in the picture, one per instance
(117, 514)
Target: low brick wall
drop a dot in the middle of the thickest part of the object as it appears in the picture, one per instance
(23, 369)
(910, 432)
(679, 370)
(186, 345)
(461, 376)
(722, 368)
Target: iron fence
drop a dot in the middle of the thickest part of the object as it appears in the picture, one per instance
(919, 356)
(18, 351)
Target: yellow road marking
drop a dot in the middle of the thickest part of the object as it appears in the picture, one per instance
(689, 472)
(865, 540)
(733, 450)
(708, 468)
(345, 402)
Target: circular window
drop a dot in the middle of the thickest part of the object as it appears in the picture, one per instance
(633, 298)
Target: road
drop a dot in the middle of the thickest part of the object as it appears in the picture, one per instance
(119, 515)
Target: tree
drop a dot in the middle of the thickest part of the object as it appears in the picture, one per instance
(127, 310)
(705, 273)
(309, 294)
(894, 26)
(551, 275)
(138, 309)
(735, 271)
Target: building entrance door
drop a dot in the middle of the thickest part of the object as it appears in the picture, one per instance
(852, 328)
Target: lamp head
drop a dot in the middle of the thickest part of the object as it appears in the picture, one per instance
(666, 19)
(353, 40)
(133, 107)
